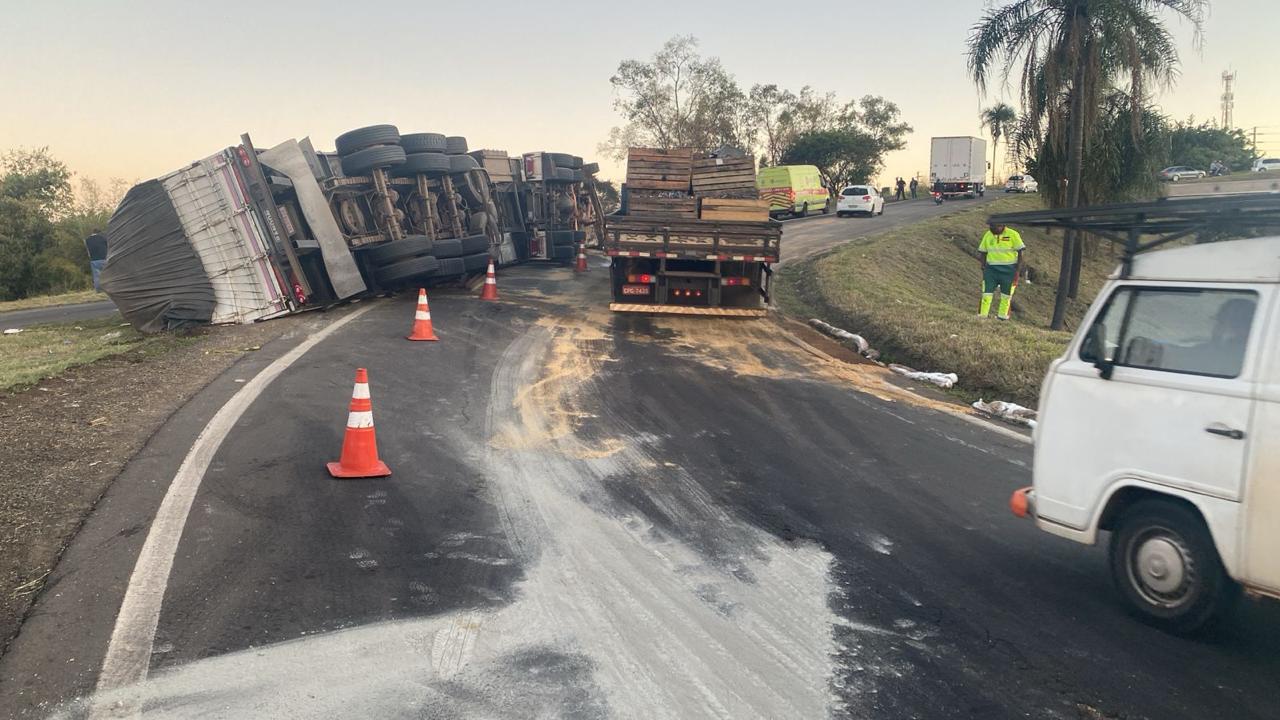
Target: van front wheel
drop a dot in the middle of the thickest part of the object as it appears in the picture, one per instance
(1164, 563)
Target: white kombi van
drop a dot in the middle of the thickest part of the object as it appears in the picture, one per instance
(1161, 425)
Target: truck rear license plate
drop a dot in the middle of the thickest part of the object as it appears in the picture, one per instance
(636, 289)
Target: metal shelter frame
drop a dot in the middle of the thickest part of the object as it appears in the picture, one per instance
(1167, 219)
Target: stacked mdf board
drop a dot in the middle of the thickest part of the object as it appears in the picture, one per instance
(734, 209)
(724, 177)
(655, 169)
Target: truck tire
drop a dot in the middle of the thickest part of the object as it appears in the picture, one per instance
(424, 143)
(450, 267)
(476, 262)
(406, 270)
(456, 145)
(591, 168)
(393, 252)
(1165, 565)
(450, 248)
(462, 163)
(579, 176)
(576, 162)
(424, 163)
(473, 244)
(366, 137)
(462, 186)
(563, 174)
(362, 161)
(564, 160)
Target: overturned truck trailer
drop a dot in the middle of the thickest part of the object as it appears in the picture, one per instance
(246, 235)
(209, 244)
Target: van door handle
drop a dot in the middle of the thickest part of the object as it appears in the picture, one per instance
(1225, 431)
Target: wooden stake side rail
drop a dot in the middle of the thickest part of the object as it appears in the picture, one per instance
(653, 169)
(682, 185)
(693, 239)
(723, 182)
(674, 207)
(658, 154)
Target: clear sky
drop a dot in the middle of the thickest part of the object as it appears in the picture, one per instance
(137, 89)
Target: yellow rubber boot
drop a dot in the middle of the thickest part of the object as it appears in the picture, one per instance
(984, 308)
(1006, 300)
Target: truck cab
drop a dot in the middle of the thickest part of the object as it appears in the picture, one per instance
(1160, 424)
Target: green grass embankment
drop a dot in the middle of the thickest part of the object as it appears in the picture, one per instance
(913, 293)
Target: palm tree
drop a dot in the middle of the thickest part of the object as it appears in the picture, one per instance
(1068, 52)
(998, 119)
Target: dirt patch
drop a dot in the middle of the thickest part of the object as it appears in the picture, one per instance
(66, 438)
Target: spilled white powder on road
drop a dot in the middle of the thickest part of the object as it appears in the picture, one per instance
(614, 617)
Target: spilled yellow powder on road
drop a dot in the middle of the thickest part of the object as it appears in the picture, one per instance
(747, 348)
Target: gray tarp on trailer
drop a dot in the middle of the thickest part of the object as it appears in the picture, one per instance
(152, 273)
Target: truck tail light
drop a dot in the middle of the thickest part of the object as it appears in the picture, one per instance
(735, 281)
(645, 278)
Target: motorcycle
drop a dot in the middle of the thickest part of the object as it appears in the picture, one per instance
(937, 198)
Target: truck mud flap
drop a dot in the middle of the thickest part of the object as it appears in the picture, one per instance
(687, 310)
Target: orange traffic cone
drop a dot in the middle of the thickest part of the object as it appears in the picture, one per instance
(490, 291)
(582, 259)
(422, 329)
(360, 446)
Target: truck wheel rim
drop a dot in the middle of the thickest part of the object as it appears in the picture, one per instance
(1161, 569)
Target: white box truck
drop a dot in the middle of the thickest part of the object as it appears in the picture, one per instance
(958, 166)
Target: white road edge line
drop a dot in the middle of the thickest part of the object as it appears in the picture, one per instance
(129, 652)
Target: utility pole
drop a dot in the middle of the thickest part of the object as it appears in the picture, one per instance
(1228, 99)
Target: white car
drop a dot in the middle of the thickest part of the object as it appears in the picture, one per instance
(1266, 165)
(1021, 184)
(1161, 425)
(862, 199)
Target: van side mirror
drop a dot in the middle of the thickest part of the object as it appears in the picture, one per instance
(1094, 349)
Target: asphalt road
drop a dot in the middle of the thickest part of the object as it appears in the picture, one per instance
(803, 237)
(600, 516)
(57, 314)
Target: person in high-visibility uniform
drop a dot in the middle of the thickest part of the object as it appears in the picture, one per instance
(1001, 250)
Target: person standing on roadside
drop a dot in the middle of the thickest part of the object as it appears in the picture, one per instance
(902, 185)
(1001, 250)
(914, 184)
(96, 245)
